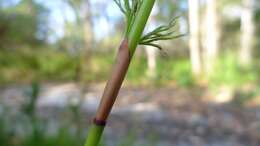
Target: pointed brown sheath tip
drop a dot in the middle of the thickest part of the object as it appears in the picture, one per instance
(114, 84)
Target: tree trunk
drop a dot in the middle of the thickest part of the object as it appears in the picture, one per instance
(247, 30)
(82, 11)
(195, 51)
(151, 52)
(151, 61)
(212, 35)
(87, 25)
(88, 36)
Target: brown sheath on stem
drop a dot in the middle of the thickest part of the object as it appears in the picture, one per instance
(114, 84)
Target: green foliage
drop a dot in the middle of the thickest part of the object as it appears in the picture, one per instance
(56, 66)
(4, 135)
(228, 72)
(33, 94)
(26, 66)
(62, 138)
(57, 63)
(177, 70)
(169, 70)
(100, 68)
(128, 140)
(137, 70)
(23, 24)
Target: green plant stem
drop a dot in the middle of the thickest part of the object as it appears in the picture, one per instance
(94, 136)
(125, 53)
(139, 25)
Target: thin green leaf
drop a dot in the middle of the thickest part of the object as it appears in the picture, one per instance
(153, 45)
(118, 3)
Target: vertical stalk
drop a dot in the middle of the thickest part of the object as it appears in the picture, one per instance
(139, 24)
(124, 56)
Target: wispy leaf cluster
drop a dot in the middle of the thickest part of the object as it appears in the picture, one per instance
(130, 9)
(163, 32)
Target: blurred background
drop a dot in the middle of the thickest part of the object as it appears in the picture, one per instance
(200, 90)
